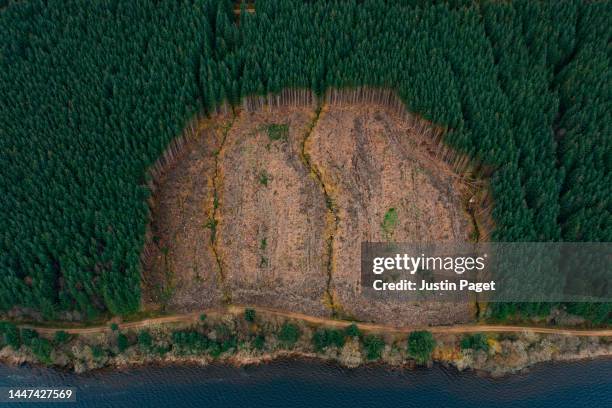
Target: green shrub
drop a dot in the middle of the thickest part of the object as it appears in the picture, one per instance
(278, 131)
(229, 344)
(122, 342)
(4, 326)
(211, 224)
(190, 342)
(145, 340)
(10, 335)
(352, 331)
(264, 178)
(42, 349)
(389, 223)
(114, 326)
(259, 342)
(97, 352)
(27, 335)
(420, 345)
(373, 346)
(263, 262)
(61, 337)
(289, 334)
(249, 315)
(215, 349)
(324, 338)
(475, 342)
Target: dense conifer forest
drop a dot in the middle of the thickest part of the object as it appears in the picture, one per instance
(92, 92)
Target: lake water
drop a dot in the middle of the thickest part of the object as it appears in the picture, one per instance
(315, 384)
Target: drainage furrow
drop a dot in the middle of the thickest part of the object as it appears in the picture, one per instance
(213, 221)
(332, 219)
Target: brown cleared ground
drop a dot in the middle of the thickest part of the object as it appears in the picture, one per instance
(271, 225)
(284, 206)
(181, 273)
(385, 188)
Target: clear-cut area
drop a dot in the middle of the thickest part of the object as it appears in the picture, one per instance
(270, 209)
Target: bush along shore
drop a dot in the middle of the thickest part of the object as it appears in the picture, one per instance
(252, 339)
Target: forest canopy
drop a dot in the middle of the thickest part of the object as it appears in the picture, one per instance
(92, 92)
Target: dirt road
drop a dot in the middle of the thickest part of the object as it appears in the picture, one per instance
(366, 327)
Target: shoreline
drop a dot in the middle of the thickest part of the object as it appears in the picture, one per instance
(232, 338)
(295, 357)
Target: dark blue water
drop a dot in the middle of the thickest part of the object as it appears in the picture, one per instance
(313, 384)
